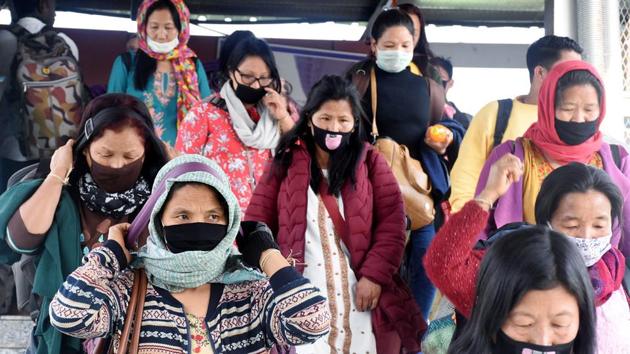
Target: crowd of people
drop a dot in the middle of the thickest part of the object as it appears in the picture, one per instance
(182, 212)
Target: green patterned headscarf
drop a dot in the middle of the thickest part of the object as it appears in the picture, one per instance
(186, 270)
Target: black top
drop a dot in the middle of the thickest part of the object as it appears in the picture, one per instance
(403, 108)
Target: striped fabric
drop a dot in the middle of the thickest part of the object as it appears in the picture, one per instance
(248, 317)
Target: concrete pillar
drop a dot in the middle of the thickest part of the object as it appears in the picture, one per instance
(598, 30)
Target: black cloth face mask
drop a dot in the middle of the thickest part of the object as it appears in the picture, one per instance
(249, 95)
(572, 133)
(330, 141)
(199, 236)
(507, 345)
(115, 180)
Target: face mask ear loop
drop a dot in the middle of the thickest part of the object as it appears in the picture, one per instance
(162, 233)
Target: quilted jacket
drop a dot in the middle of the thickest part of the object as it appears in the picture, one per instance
(374, 214)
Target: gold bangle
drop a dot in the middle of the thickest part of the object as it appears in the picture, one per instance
(264, 260)
(64, 181)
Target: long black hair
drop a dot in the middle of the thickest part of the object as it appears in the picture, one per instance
(118, 110)
(253, 47)
(422, 52)
(534, 258)
(145, 65)
(219, 77)
(342, 163)
(576, 178)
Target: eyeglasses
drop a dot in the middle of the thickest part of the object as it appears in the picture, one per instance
(250, 79)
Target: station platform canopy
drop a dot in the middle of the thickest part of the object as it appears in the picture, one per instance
(517, 13)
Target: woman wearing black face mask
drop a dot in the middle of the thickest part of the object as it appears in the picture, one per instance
(59, 218)
(571, 108)
(240, 126)
(202, 296)
(334, 206)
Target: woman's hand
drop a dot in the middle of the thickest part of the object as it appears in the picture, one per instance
(439, 146)
(118, 233)
(62, 161)
(503, 173)
(368, 293)
(276, 104)
(253, 240)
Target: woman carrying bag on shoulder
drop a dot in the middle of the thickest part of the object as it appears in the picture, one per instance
(407, 108)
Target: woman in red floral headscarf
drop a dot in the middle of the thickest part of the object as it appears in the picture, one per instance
(164, 72)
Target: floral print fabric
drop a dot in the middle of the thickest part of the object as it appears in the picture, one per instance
(207, 130)
(199, 342)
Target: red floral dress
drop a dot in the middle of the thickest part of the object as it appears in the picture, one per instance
(199, 342)
(207, 130)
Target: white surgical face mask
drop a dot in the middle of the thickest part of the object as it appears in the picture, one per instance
(591, 249)
(162, 48)
(393, 61)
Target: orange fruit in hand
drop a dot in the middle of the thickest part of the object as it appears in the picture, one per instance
(438, 133)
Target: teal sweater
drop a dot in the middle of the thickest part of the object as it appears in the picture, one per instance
(164, 114)
(59, 256)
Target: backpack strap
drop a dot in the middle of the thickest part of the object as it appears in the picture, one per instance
(503, 116)
(8, 43)
(616, 154)
(18, 31)
(217, 101)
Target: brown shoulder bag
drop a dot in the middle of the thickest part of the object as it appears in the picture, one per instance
(413, 181)
(129, 341)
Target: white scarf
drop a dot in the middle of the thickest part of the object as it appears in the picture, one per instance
(264, 135)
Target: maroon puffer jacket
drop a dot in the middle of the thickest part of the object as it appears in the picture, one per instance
(374, 213)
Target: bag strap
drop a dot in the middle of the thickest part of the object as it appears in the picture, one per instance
(373, 97)
(19, 31)
(218, 102)
(137, 327)
(333, 211)
(129, 317)
(503, 116)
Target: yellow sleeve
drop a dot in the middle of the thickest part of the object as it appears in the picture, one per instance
(473, 152)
